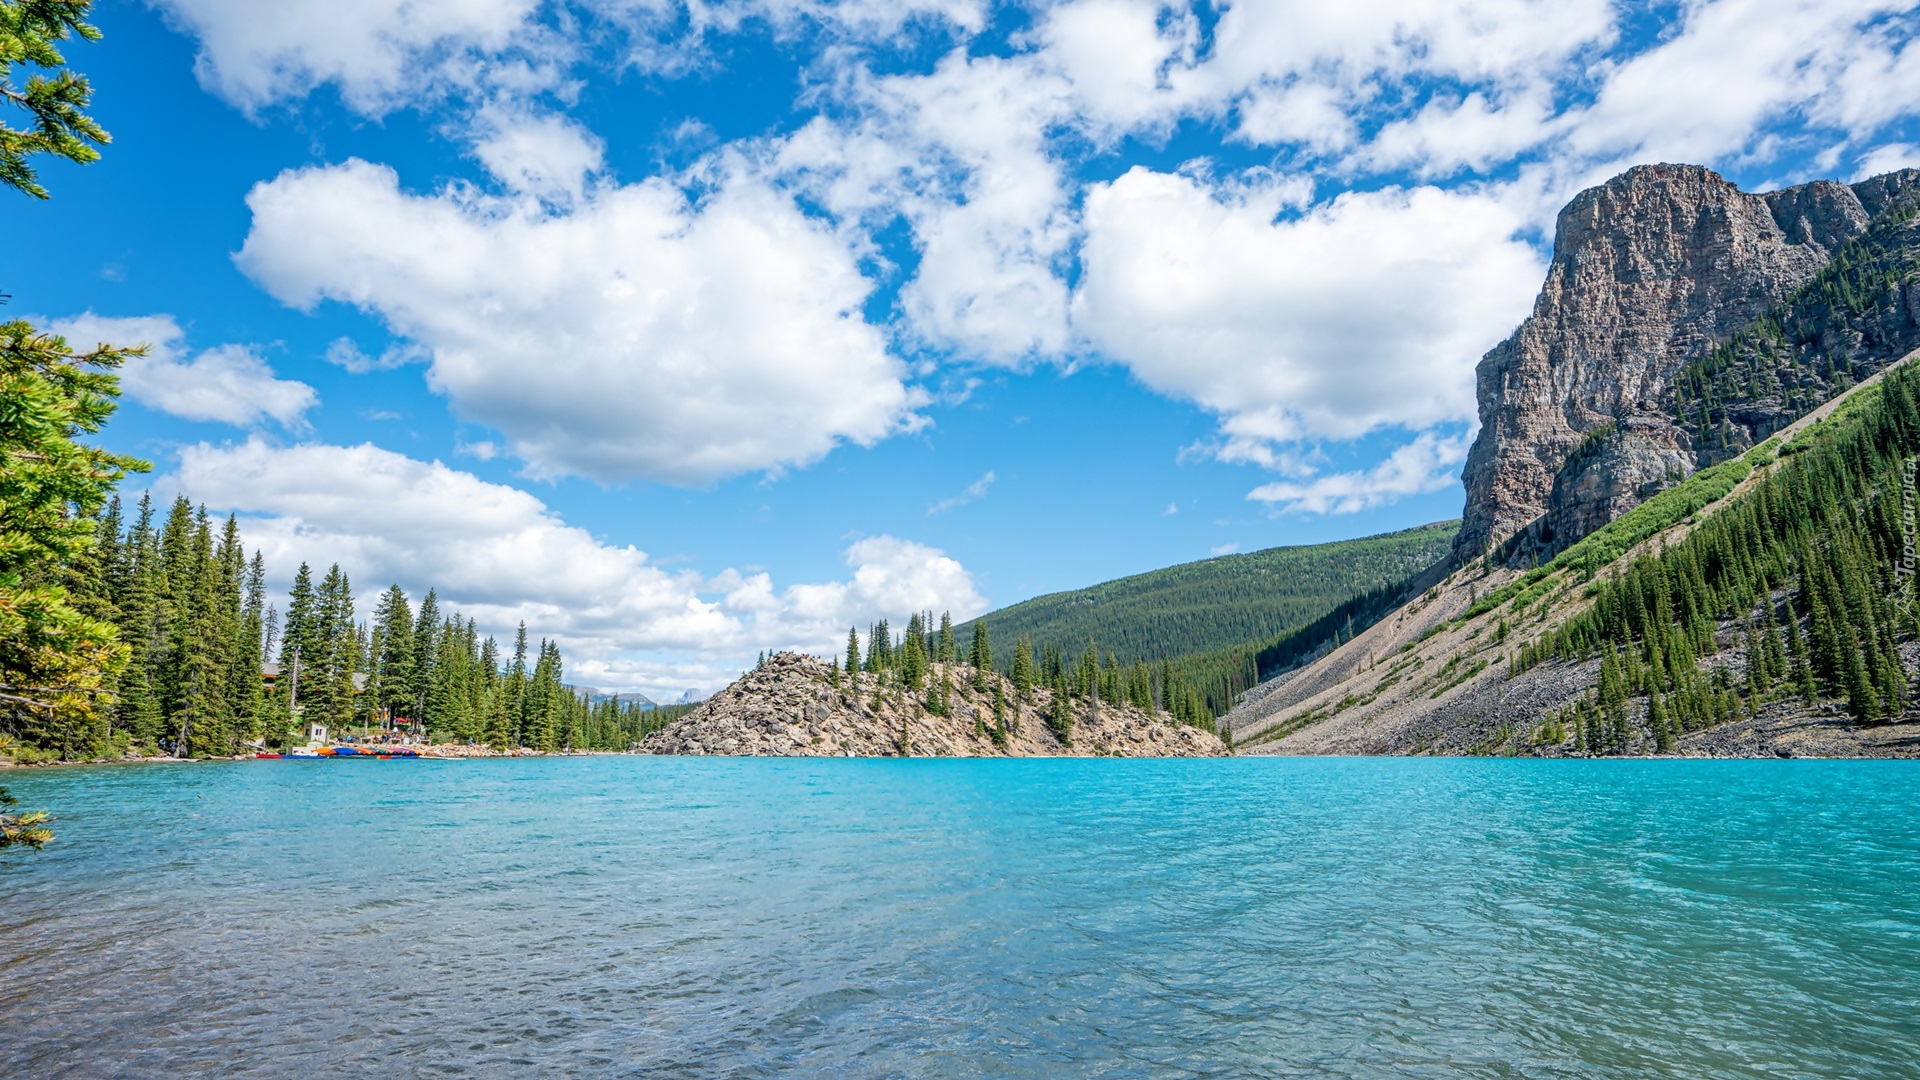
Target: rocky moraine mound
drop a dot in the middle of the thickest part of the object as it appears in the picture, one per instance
(789, 707)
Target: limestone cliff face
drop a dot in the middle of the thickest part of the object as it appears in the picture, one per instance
(1648, 270)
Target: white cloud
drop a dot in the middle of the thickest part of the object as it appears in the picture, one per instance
(975, 490)
(543, 155)
(891, 578)
(1886, 159)
(1363, 313)
(1312, 115)
(1471, 133)
(1428, 463)
(1117, 57)
(1875, 78)
(344, 353)
(619, 331)
(1304, 72)
(1736, 65)
(865, 20)
(636, 335)
(230, 384)
(502, 556)
(963, 155)
(380, 53)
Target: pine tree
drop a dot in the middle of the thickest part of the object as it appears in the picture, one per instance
(1060, 714)
(327, 690)
(982, 657)
(498, 736)
(390, 676)
(1657, 721)
(30, 34)
(138, 710)
(947, 652)
(213, 620)
(1612, 699)
(547, 694)
(298, 636)
(913, 662)
(1000, 728)
(250, 647)
(853, 656)
(1023, 669)
(516, 686)
(427, 626)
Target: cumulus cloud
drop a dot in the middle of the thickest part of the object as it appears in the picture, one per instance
(229, 384)
(641, 331)
(502, 556)
(636, 335)
(383, 54)
(1362, 313)
(377, 52)
(540, 154)
(889, 577)
(1303, 73)
(963, 154)
(1736, 64)
(1428, 463)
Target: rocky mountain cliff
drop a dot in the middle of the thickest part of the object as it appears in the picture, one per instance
(1580, 415)
(787, 707)
(1736, 641)
(1697, 356)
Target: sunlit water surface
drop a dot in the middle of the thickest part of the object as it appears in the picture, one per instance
(714, 917)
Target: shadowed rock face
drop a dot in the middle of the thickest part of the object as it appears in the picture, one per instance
(1648, 270)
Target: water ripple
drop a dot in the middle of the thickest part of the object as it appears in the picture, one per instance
(748, 918)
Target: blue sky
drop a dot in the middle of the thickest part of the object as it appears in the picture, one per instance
(682, 331)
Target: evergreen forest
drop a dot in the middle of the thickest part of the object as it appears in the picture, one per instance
(1801, 589)
(1843, 324)
(1219, 626)
(131, 632)
(211, 669)
(923, 662)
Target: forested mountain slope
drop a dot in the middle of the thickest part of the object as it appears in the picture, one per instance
(1766, 606)
(1231, 600)
(1859, 312)
(1222, 623)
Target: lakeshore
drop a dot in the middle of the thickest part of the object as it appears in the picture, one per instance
(442, 752)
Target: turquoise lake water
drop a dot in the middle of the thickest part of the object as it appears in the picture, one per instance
(622, 916)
